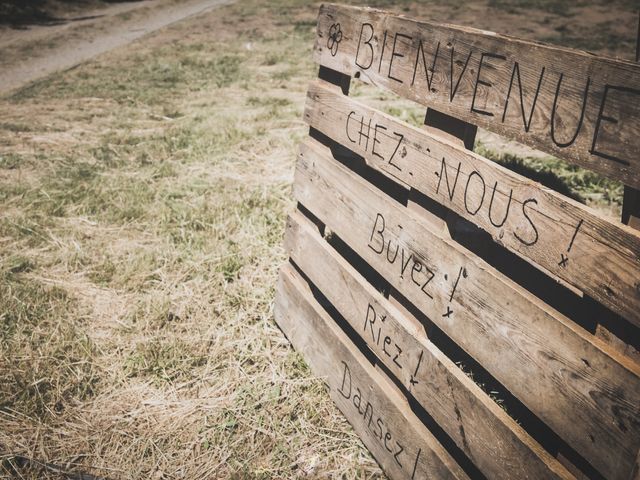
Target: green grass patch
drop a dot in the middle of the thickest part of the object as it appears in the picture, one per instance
(140, 240)
(164, 360)
(10, 161)
(47, 360)
(578, 183)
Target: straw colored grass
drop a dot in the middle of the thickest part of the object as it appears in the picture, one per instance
(143, 198)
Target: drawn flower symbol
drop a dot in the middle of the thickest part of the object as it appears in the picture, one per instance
(335, 37)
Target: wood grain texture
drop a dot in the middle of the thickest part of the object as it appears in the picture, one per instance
(595, 255)
(586, 392)
(403, 447)
(498, 446)
(577, 106)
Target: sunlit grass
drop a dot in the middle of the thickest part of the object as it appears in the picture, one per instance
(143, 201)
(146, 197)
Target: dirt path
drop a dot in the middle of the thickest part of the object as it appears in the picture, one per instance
(27, 55)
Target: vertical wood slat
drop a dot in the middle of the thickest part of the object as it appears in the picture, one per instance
(631, 207)
(454, 130)
(631, 201)
(631, 217)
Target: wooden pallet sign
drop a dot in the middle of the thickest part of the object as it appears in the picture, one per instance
(448, 361)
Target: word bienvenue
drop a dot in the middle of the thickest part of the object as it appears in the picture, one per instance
(412, 61)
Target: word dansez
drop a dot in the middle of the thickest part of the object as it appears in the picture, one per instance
(409, 60)
(420, 274)
(374, 421)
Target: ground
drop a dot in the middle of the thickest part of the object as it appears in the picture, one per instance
(42, 36)
(142, 204)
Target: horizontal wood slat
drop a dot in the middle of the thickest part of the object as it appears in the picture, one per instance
(599, 257)
(381, 418)
(586, 392)
(499, 447)
(580, 107)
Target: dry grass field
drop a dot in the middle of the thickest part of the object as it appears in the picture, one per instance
(142, 205)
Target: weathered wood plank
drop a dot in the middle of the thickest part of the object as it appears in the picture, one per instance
(586, 392)
(564, 237)
(498, 446)
(580, 107)
(631, 202)
(383, 420)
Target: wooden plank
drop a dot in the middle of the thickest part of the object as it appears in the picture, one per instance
(631, 217)
(586, 392)
(499, 447)
(564, 237)
(631, 202)
(575, 105)
(403, 447)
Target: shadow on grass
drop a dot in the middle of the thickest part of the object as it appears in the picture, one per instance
(18, 466)
(21, 14)
(545, 177)
(551, 172)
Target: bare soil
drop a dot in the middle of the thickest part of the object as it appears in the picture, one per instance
(34, 51)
